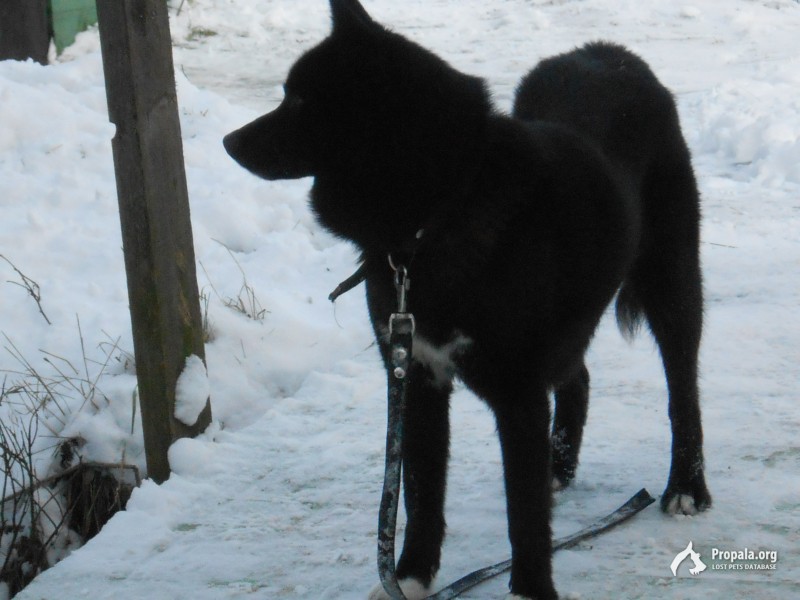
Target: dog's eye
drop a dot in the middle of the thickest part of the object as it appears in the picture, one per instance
(290, 92)
(291, 98)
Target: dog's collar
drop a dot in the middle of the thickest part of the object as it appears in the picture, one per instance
(397, 260)
(404, 255)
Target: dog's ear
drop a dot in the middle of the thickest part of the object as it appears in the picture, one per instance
(349, 14)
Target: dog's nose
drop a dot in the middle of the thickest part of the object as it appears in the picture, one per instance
(231, 143)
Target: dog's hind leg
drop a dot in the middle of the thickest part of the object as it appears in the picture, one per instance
(666, 284)
(675, 322)
(426, 447)
(677, 331)
(572, 402)
(522, 423)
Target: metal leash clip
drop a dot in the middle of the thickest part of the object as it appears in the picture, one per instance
(401, 323)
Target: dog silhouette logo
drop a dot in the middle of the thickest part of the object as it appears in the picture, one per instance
(699, 565)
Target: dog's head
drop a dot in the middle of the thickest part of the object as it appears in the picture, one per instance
(297, 138)
(361, 89)
(369, 114)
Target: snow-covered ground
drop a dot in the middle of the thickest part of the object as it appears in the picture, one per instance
(279, 498)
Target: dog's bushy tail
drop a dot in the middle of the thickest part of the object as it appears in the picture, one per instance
(629, 311)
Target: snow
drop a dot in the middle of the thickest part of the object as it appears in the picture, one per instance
(412, 590)
(191, 391)
(279, 497)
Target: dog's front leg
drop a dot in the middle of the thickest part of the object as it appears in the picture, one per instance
(522, 422)
(426, 449)
(572, 403)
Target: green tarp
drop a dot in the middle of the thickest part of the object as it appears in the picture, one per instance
(70, 17)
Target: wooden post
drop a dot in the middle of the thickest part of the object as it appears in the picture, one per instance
(154, 213)
(23, 30)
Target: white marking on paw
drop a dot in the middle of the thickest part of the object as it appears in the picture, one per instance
(412, 589)
(516, 597)
(682, 504)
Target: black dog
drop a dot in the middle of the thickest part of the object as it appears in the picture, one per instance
(517, 232)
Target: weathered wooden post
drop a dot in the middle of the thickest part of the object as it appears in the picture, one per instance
(23, 30)
(154, 213)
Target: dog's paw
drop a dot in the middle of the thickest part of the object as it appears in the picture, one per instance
(563, 471)
(690, 503)
(681, 504)
(542, 595)
(412, 589)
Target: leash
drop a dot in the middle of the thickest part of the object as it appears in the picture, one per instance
(638, 502)
(401, 333)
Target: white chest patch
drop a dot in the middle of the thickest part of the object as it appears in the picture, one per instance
(441, 360)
